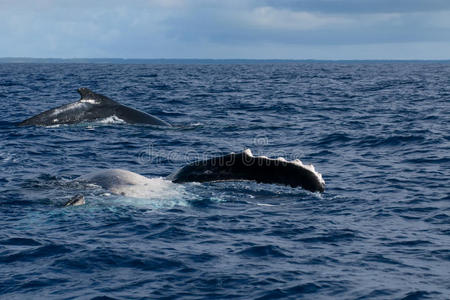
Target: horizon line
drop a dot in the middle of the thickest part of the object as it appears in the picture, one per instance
(169, 60)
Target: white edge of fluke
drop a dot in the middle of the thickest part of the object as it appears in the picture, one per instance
(296, 162)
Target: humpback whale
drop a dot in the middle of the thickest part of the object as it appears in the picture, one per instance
(230, 167)
(245, 166)
(92, 107)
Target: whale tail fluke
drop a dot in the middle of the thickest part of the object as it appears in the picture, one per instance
(245, 166)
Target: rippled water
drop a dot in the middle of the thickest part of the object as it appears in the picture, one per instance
(379, 133)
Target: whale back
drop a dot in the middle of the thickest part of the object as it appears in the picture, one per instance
(92, 107)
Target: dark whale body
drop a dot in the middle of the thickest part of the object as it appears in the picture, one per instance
(92, 107)
(245, 166)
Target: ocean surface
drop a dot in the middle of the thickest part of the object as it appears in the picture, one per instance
(379, 133)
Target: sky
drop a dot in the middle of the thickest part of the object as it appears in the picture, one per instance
(226, 29)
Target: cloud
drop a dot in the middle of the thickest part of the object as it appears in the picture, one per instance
(267, 24)
(218, 29)
(281, 19)
(54, 29)
(361, 6)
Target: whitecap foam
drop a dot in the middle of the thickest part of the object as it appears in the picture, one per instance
(153, 193)
(134, 188)
(151, 188)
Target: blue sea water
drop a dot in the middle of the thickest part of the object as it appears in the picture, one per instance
(378, 132)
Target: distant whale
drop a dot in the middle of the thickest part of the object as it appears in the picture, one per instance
(231, 167)
(92, 107)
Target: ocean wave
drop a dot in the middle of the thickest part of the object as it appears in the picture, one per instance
(377, 132)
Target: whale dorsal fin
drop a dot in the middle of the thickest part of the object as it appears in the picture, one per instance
(88, 96)
(86, 93)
